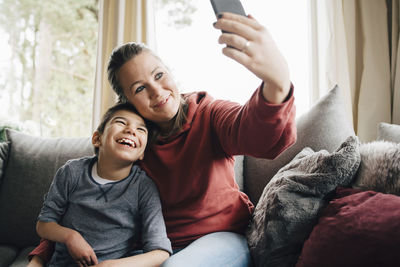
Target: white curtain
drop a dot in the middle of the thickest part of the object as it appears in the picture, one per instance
(356, 56)
(120, 21)
(395, 22)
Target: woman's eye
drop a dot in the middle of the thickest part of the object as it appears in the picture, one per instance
(159, 75)
(139, 89)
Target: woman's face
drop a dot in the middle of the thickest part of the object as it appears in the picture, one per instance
(148, 85)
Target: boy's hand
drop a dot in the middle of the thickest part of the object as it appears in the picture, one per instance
(80, 250)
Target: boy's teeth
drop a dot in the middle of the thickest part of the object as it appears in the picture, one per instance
(127, 141)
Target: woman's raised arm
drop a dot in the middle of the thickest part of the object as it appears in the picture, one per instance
(249, 43)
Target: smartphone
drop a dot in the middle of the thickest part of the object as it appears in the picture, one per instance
(233, 6)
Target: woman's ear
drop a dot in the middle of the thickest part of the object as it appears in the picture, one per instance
(96, 139)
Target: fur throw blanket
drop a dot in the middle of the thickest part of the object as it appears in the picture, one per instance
(289, 205)
(380, 167)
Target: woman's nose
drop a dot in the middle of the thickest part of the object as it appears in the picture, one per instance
(155, 90)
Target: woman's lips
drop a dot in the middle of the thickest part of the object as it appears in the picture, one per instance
(161, 103)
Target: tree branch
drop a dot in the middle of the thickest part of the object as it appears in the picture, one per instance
(75, 75)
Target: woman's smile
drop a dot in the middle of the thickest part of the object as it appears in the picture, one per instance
(162, 103)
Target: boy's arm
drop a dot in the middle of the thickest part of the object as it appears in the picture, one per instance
(35, 261)
(77, 246)
(150, 259)
(42, 253)
(154, 233)
(54, 206)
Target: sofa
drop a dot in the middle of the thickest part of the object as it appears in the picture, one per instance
(28, 164)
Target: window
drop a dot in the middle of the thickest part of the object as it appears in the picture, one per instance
(187, 42)
(47, 65)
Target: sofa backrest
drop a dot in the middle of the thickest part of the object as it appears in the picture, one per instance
(32, 163)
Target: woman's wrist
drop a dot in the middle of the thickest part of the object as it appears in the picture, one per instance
(274, 93)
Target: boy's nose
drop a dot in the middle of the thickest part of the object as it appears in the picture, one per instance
(130, 130)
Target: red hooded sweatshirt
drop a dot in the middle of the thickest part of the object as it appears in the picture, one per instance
(194, 170)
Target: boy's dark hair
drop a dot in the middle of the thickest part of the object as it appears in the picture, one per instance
(129, 107)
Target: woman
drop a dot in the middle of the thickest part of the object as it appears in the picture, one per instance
(192, 161)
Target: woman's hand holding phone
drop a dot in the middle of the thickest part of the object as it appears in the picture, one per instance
(250, 43)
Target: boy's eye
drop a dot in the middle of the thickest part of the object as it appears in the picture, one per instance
(139, 89)
(120, 122)
(159, 75)
(142, 129)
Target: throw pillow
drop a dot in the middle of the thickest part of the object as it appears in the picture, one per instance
(26, 179)
(289, 206)
(238, 168)
(4, 146)
(324, 126)
(355, 229)
(379, 168)
(389, 132)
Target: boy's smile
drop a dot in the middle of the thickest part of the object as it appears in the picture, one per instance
(127, 142)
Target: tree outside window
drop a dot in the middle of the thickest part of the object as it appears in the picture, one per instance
(48, 64)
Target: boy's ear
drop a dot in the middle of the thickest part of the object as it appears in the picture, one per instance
(96, 139)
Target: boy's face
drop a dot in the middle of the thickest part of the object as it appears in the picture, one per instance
(124, 137)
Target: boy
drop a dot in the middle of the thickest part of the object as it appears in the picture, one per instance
(98, 207)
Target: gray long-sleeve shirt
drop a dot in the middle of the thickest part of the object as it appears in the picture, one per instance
(111, 217)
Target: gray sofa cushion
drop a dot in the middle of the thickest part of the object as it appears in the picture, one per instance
(22, 258)
(389, 132)
(32, 164)
(289, 205)
(4, 146)
(7, 255)
(324, 126)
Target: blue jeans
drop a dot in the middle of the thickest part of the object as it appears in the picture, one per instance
(220, 249)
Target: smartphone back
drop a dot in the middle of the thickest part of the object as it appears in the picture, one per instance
(233, 6)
